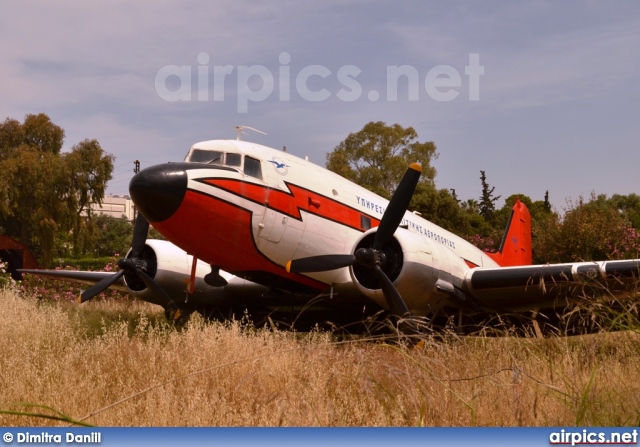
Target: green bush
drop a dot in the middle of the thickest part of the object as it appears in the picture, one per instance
(594, 230)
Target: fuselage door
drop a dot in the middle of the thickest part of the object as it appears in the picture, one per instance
(273, 223)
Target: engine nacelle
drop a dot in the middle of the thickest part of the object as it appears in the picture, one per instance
(170, 266)
(425, 272)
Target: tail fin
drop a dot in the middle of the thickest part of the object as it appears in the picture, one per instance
(515, 248)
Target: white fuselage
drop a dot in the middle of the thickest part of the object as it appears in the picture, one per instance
(295, 208)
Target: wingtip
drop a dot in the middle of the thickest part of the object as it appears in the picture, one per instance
(416, 167)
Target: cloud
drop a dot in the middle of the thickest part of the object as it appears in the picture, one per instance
(92, 67)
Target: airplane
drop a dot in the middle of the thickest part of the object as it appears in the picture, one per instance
(249, 226)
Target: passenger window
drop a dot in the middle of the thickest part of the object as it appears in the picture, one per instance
(234, 159)
(252, 167)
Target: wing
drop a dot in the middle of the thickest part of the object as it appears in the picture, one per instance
(80, 277)
(551, 285)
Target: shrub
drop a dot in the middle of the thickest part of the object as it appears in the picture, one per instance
(5, 277)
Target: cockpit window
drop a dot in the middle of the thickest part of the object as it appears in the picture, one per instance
(217, 159)
(234, 159)
(204, 156)
(252, 167)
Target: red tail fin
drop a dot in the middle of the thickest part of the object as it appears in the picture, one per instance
(515, 248)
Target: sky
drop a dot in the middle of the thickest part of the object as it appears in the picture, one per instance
(540, 95)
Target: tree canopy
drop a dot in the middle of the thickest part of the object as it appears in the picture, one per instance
(377, 156)
(44, 193)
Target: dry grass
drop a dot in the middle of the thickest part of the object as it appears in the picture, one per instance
(132, 370)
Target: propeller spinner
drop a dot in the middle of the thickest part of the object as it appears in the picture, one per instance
(373, 258)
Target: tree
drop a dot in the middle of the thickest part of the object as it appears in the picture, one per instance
(454, 195)
(35, 208)
(485, 224)
(91, 170)
(42, 134)
(43, 191)
(11, 136)
(487, 200)
(377, 156)
(112, 236)
(441, 207)
(546, 206)
(629, 205)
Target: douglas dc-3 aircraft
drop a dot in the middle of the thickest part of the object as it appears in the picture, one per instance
(291, 234)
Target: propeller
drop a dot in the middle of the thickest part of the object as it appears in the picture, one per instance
(137, 266)
(373, 257)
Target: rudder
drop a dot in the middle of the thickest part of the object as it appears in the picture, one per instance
(515, 248)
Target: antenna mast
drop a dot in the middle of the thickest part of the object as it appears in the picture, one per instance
(239, 130)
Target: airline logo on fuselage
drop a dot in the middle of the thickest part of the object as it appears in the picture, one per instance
(280, 166)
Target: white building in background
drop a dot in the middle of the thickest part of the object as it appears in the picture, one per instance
(116, 206)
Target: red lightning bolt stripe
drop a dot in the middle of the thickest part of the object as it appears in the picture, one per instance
(296, 200)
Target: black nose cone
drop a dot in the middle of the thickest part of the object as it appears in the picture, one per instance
(158, 191)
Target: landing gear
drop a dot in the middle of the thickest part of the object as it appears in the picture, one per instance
(173, 313)
(179, 317)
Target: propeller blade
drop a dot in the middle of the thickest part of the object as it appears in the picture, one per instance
(140, 232)
(320, 263)
(391, 294)
(397, 206)
(100, 286)
(155, 289)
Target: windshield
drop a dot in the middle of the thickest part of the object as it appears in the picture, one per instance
(250, 166)
(204, 156)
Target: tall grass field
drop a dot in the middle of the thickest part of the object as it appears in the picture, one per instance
(118, 363)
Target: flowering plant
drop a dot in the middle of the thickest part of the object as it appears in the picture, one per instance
(60, 290)
(484, 243)
(5, 277)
